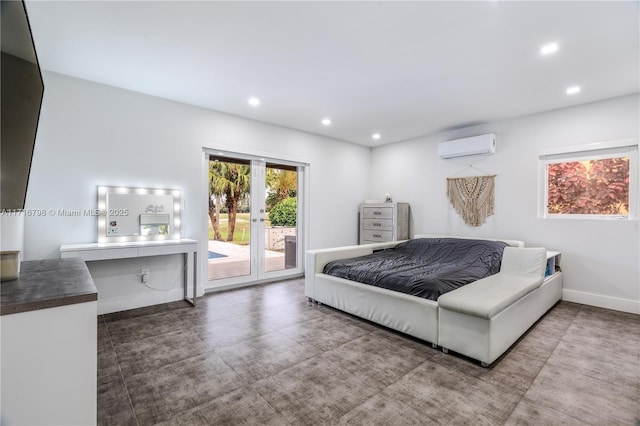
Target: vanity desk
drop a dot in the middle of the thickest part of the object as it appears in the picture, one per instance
(130, 249)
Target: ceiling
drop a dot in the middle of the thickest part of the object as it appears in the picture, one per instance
(400, 69)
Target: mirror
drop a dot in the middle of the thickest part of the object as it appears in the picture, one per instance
(138, 214)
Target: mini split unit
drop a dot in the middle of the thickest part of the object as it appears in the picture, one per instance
(475, 145)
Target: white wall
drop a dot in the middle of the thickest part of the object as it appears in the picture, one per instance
(600, 259)
(92, 134)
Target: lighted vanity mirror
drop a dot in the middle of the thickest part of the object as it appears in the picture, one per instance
(137, 214)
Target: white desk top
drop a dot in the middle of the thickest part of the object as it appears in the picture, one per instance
(107, 251)
(129, 244)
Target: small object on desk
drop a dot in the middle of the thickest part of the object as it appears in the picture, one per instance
(9, 265)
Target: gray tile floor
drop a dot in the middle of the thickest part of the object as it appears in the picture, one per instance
(263, 356)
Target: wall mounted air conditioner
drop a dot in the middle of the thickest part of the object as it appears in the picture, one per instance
(475, 145)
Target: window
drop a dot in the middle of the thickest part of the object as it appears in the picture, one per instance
(590, 181)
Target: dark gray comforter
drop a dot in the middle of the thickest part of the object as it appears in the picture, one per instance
(423, 267)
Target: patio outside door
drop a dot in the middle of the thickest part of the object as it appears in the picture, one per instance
(254, 220)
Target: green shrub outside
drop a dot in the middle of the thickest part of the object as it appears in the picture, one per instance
(284, 213)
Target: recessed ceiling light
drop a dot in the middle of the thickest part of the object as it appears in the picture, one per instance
(254, 101)
(326, 121)
(549, 48)
(573, 90)
(376, 136)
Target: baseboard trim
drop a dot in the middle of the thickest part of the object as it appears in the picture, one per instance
(608, 302)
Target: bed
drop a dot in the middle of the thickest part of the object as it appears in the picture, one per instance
(469, 312)
(423, 267)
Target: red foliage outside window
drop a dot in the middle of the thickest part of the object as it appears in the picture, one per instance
(598, 187)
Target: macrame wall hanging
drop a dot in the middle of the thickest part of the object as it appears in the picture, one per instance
(472, 197)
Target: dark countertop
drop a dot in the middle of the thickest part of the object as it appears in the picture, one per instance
(47, 284)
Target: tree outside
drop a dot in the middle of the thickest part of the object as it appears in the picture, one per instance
(228, 184)
(281, 184)
(597, 187)
(230, 187)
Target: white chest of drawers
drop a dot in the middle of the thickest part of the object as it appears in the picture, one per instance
(380, 222)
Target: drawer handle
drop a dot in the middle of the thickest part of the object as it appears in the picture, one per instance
(377, 236)
(376, 224)
(377, 213)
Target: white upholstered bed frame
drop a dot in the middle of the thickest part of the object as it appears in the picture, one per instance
(412, 315)
(484, 339)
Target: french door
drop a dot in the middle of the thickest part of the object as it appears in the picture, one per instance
(254, 219)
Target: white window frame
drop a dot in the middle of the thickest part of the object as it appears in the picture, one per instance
(593, 151)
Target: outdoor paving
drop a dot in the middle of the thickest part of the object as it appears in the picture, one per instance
(236, 260)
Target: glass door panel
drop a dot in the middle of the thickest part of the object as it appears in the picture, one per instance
(281, 190)
(229, 243)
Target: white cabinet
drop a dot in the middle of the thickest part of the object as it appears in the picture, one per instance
(380, 222)
(48, 319)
